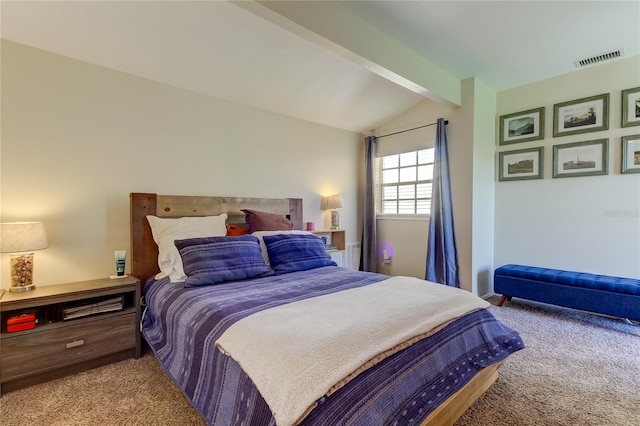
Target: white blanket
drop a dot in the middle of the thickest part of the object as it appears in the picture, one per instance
(298, 352)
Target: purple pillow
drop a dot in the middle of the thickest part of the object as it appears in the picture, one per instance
(263, 221)
(215, 260)
(296, 252)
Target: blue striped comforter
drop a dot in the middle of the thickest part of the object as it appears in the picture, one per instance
(182, 325)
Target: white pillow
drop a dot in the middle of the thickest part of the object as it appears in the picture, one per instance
(166, 231)
(263, 247)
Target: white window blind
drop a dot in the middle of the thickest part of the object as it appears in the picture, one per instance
(404, 182)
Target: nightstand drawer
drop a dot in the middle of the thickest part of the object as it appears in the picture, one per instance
(52, 348)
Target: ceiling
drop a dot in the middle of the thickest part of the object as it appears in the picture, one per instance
(225, 50)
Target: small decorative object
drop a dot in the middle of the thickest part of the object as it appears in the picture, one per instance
(631, 154)
(121, 258)
(522, 126)
(21, 239)
(521, 164)
(311, 226)
(24, 321)
(631, 107)
(387, 254)
(333, 203)
(581, 158)
(581, 116)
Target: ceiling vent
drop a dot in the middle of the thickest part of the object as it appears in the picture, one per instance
(597, 59)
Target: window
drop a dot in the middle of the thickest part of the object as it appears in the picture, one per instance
(404, 182)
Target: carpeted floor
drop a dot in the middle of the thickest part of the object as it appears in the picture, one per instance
(577, 370)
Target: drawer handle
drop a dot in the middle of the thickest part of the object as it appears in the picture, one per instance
(75, 343)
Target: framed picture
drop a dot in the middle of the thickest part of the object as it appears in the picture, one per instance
(631, 107)
(521, 164)
(522, 126)
(631, 154)
(581, 158)
(581, 116)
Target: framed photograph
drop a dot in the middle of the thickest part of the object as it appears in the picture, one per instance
(581, 158)
(581, 116)
(521, 164)
(631, 107)
(631, 154)
(522, 126)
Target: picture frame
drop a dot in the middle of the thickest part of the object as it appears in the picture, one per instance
(521, 164)
(631, 154)
(588, 158)
(631, 107)
(583, 115)
(523, 126)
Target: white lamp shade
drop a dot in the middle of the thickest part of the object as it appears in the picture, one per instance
(334, 202)
(22, 236)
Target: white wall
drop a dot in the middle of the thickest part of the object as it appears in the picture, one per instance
(589, 224)
(78, 138)
(483, 191)
(470, 137)
(581, 223)
(408, 236)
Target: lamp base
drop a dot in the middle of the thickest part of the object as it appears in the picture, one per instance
(23, 288)
(335, 219)
(21, 272)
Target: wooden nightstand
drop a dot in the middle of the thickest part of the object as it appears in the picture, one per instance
(337, 238)
(58, 347)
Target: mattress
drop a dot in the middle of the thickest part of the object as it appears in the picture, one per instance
(182, 326)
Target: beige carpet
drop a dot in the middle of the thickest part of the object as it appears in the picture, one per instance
(577, 370)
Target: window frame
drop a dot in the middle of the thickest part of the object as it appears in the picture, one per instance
(379, 186)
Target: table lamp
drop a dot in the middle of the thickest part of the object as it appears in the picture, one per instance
(21, 239)
(334, 202)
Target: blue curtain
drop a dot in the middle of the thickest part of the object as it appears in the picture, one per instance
(368, 244)
(442, 256)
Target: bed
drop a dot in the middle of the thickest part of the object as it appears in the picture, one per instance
(256, 343)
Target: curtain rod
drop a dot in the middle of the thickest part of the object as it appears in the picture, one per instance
(408, 130)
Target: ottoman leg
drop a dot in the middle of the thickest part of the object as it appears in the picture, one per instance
(503, 299)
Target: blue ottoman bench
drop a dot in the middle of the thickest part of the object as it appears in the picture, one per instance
(602, 294)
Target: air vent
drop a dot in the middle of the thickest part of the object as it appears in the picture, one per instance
(603, 57)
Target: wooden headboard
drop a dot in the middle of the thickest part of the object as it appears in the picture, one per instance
(144, 251)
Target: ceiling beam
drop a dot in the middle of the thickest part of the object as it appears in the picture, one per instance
(331, 25)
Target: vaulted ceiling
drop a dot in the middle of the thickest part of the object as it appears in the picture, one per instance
(353, 67)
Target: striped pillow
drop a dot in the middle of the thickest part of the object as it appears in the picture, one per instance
(216, 260)
(296, 252)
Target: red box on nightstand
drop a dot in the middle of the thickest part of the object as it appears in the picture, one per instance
(25, 321)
